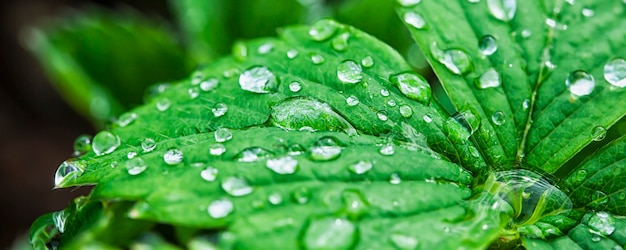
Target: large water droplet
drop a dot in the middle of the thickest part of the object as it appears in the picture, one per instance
(209, 84)
(490, 79)
(219, 109)
(82, 144)
(361, 167)
(329, 233)
(105, 142)
(258, 79)
(598, 133)
(283, 165)
(349, 72)
(615, 72)
(209, 174)
(303, 112)
(502, 9)
(223, 134)
(601, 223)
(163, 104)
(68, 170)
(403, 242)
(136, 166)
(236, 186)
(217, 149)
(173, 156)
(295, 86)
(126, 119)
(498, 118)
(352, 100)
(323, 29)
(406, 111)
(220, 208)
(414, 19)
(325, 149)
(367, 61)
(340, 42)
(580, 83)
(457, 61)
(253, 154)
(413, 86)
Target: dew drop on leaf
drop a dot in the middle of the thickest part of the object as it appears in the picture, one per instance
(329, 233)
(414, 19)
(354, 203)
(408, 3)
(601, 223)
(209, 174)
(360, 167)
(526, 33)
(392, 103)
(131, 154)
(615, 72)
(219, 109)
(229, 73)
(526, 104)
(258, 79)
(283, 165)
(349, 72)
(388, 149)
(295, 87)
(403, 242)
(292, 53)
(382, 115)
(427, 118)
(217, 149)
(126, 119)
(193, 92)
(367, 61)
(148, 145)
(413, 86)
(275, 198)
(487, 45)
(105, 142)
(455, 60)
(223, 134)
(468, 118)
(236, 186)
(265, 48)
(489, 79)
(209, 84)
(300, 113)
(82, 145)
(252, 154)
(587, 12)
(325, 149)
(68, 169)
(340, 42)
(301, 195)
(352, 100)
(197, 77)
(317, 59)
(598, 133)
(394, 179)
(220, 208)
(173, 156)
(384, 92)
(295, 149)
(502, 9)
(323, 29)
(580, 83)
(136, 166)
(498, 118)
(163, 104)
(406, 111)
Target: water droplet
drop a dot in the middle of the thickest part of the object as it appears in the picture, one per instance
(173, 156)
(555, 25)
(340, 42)
(414, 19)
(265, 48)
(236, 186)
(360, 167)
(209, 84)
(580, 83)
(526, 104)
(136, 166)
(219, 109)
(209, 174)
(596, 238)
(487, 45)
(317, 59)
(367, 61)
(587, 12)
(329, 233)
(490, 79)
(392, 103)
(598, 133)
(295, 87)
(82, 144)
(413, 86)
(68, 169)
(323, 29)
(325, 149)
(382, 115)
(498, 118)
(292, 53)
(602, 223)
(468, 118)
(301, 195)
(295, 149)
(615, 72)
(303, 113)
(457, 61)
(220, 208)
(275, 198)
(148, 145)
(352, 100)
(126, 119)
(163, 104)
(526, 33)
(384, 92)
(408, 3)
(349, 72)
(217, 149)
(283, 165)
(223, 134)
(230, 73)
(197, 77)
(193, 92)
(253, 154)
(406, 111)
(105, 142)
(131, 154)
(502, 9)
(58, 219)
(258, 79)
(388, 149)
(394, 179)
(427, 119)
(354, 203)
(403, 242)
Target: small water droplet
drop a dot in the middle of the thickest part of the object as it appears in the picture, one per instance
(384, 92)
(598, 133)
(526, 33)
(193, 92)
(295, 149)
(498, 118)
(68, 169)
(580, 83)
(388, 149)
(403, 242)
(361, 167)
(283, 165)
(325, 149)
(555, 25)
(340, 42)
(236, 186)
(382, 115)
(349, 72)
(526, 104)
(295, 86)
(292, 53)
(258, 79)
(457, 61)
(230, 73)
(427, 119)
(414, 19)
(220, 208)
(131, 154)
(317, 59)
(148, 145)
(275, 198)
(209, 174)
(352, 100)
(406, 111)
(587, 12)
(391, 103)
(408, 3)
(265, 48)
(82, 144)
(173, 156)
(490, 79)
(323, 29)
(209, 84)
(394, 179)
(602, 223)
(329, 233)
(217, 149)
(223, 134)
(126, 119)
(136, 166)
(301, 195)
(487, 45)
(219, 109)
(502, 9)
(367, 61)
(413, 86)
(105, 142)
(615, 72)
(197, 77)
(163, 104)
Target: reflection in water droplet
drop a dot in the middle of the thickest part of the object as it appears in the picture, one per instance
(295, 86)
(126, 119)
(352, 100)
(82, 144)
(329, 233)
(406, 111)
(173, 156)
(367, 61)
(258, 79)
(253, 154)
(601, 223)
(414, 19)
(220, 208)
(219, 109)
(615, 72)
(148, 145)
(413, 86)
(209, 174)
(360, 167)
(580, 83)
(283, 165)
(236, 186)
(217, 149)
(598, 133)
(502, 9)
(323, 29)
(163, 104)
(105, 142)
(223, 134)
(487, 45)
(209, 84)
(498, 118)
(136, 166)
(340, 42)
(349, 72)
(68, 169)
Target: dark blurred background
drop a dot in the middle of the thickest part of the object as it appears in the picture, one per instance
(37, 128)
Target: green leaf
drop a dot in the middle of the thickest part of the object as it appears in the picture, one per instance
(102, 62)
(509, 63)
(42, 231)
